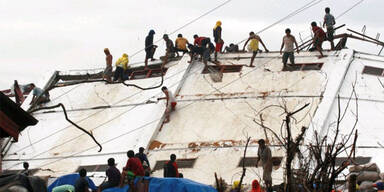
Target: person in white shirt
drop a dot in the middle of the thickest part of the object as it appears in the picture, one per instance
(170, 103)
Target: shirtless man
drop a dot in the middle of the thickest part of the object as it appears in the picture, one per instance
(254, 45)
(108, 68)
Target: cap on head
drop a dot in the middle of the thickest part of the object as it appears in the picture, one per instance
(288, 30)
(130, 154)
(173, 157)
(141, 149)
(111, 162)
(152, 32)
(327, 10)
(83, 172)
(313, 24)
(179, 35)
(195, 36)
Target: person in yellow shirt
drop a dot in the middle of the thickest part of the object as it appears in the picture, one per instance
(254, 45)
(181, 44)
(121, 67)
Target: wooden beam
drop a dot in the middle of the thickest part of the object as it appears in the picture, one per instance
(9, 126)
(380, 42)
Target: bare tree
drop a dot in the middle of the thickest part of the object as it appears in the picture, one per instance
(318, 165)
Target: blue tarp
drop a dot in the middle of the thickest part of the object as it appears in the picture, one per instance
(170, 185)
(70, 180)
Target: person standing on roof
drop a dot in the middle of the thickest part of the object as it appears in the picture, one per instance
(181, 44)
(121, 67)
(264, 154)
(329, 22)
(254, 45)
(288, 41)
(170, 50)
(318, 38)
(170, 167)
(144, 160)
(170, 103)
(108, 68)
(132, 169)
(150, 48)
(81, 184)
(113, 175)
(217, 37)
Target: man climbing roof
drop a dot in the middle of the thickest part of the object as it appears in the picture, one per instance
(170, 103)
(108, 68)
(318, 38)
(121, 67)
(150, 48)
(218, 39)
(181, 44)
(288, 41)
(329, 22)
(254, 45)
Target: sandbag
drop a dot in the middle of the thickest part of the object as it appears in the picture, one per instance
(356, 168)
(366, 185)
(368, 176)
(371, 167)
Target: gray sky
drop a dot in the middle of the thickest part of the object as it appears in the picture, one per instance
(42, 35)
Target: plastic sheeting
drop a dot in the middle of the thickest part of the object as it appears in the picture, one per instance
(170, 185)
(70, 179)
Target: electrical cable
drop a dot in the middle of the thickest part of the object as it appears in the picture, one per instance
(185, 25)
(306, 6)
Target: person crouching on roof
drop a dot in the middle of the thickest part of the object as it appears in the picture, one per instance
(121, 66)
(170, 103)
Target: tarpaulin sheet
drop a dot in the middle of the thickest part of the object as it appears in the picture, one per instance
(170, 185)
(70, 180)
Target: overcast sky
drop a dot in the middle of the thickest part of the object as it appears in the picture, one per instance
(42, 35)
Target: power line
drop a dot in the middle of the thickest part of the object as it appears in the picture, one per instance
(297, 11)
(185, 25)
(346, 11)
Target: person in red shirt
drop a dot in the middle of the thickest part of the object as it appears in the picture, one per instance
(170, 168)
(133, 165)
(318, 38)
(201, 41)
